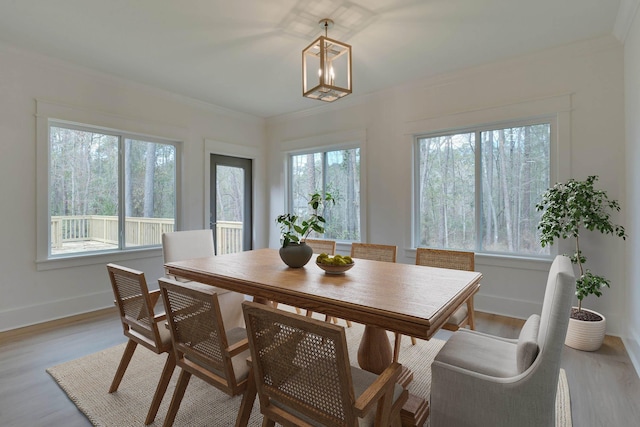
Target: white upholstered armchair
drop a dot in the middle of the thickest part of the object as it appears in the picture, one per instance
(182, 245)
(484, 380)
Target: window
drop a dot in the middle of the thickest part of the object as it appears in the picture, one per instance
(336, 172)
(477, 189)
(108, 190)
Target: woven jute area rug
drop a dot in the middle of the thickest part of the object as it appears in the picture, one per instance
(86, 381)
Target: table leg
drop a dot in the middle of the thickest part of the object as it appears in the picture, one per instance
(374, 355)
(415, 411)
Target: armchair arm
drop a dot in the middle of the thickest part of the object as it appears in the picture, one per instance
(238, 347)
(382, 386)
(160, 317)
(154, 296)
(491, 400)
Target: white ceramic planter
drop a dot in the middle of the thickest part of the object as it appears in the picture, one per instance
(586, 336)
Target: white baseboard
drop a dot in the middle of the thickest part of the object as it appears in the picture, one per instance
(522, 309)
(39, 313)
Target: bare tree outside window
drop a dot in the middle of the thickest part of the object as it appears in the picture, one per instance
(477, 190)
(230, 193)
(336, 172)
(84, 190)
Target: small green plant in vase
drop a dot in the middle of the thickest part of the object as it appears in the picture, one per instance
(569, 209)
(294, 229)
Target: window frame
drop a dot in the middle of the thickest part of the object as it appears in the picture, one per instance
(557, 107)
(478, 194)
(322, 144)
(51, 114)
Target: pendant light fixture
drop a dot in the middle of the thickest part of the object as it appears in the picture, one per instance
(326, 67)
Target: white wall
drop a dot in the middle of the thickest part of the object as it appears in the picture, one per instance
(584, 82)
(589, 73)
(31, 293)
(632, 112)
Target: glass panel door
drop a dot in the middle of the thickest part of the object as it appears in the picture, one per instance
(230, 210)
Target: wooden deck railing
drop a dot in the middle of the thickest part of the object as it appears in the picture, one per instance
(139, 231)
(104, 229)
(228, 237)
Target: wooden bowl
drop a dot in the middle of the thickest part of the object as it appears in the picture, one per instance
(335, 269)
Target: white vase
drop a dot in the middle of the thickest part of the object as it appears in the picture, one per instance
(585, 335)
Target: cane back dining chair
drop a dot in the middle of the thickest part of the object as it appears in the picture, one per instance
(182, 245)
(141, 326)
(303, 376)
(376, 252)
(201, 344)
(485, 380)
(457, 260)
(321, 246)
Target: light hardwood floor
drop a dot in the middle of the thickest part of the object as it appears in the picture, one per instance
(605, 389)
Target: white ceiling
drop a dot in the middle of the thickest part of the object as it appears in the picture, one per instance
(245, 55)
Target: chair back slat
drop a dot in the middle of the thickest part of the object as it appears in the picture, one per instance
(374, 252)
(320, 246)
(457, 260)
(301, 364)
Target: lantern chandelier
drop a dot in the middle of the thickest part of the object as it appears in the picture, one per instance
(326, 67)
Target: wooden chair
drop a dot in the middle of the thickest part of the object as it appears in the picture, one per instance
(457, 260)
(201, 345)
(303, 376)
(320, 246)
(182, 245)
(136, 307)
(386, 253)
(374, 252)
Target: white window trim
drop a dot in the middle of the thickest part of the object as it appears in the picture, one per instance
(46, 112)
(557, 107)
(329, 142)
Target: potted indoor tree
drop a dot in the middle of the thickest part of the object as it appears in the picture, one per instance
(570, 208)
(295, 229)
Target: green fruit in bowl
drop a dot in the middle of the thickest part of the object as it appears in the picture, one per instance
(335, 260)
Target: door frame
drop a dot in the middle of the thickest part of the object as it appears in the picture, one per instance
(216, 160)
(257, 156)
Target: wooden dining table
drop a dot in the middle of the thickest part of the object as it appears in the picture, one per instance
(409, 299)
